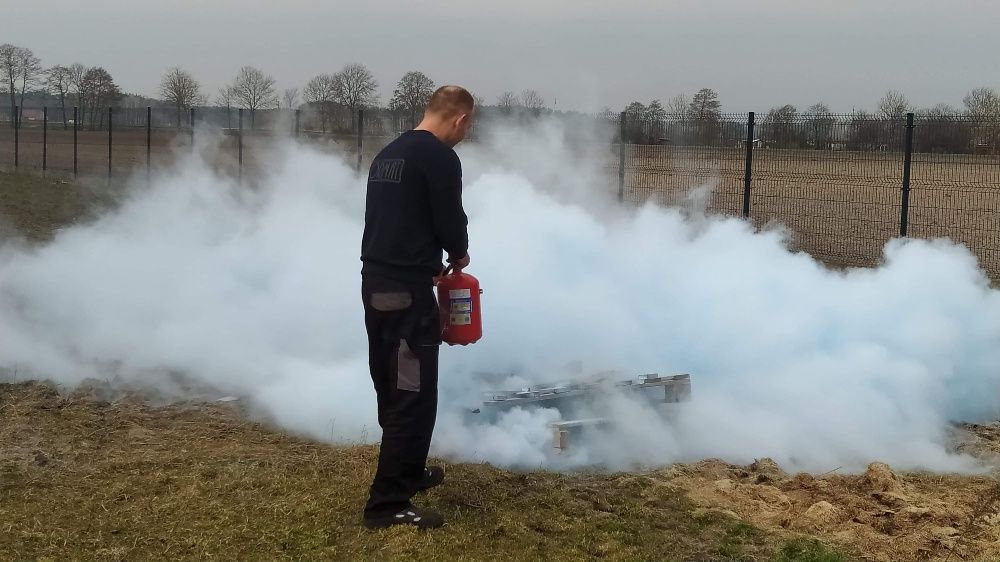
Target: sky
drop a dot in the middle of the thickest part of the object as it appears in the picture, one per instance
(578, 54)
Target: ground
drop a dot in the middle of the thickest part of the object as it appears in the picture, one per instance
(85, 477)
(96, 473)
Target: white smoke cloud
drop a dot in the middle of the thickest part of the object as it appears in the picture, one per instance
(255, 292)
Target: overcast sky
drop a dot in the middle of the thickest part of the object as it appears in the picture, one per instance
(579, 54)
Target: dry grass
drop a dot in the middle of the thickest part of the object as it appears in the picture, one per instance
(102, 475)
(841, 207)
(91, 480)
(34, 207)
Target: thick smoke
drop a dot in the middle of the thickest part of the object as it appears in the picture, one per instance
(255, 292)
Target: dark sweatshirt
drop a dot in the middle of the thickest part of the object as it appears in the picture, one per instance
(413, 209)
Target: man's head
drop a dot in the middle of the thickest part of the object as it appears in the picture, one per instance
(449, 114)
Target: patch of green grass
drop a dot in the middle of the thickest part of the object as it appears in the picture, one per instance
(738, 536)
(801, 550)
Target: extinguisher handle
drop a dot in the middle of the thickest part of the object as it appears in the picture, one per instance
(444, 273)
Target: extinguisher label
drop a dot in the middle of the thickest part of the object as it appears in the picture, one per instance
(461, 307)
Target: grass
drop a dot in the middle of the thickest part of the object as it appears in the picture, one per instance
(34, 207)
(87, 480)
(807, 551)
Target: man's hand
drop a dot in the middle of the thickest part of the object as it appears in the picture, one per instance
(459, 264)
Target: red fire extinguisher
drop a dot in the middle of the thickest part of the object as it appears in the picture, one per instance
(461, 315)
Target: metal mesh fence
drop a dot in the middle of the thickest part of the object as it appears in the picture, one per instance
(832, 181)
(671, 160)
(955, 181)
(835, 181)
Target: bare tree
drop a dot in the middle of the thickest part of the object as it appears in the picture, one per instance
(31, 73)
(508, 101)
(254, 90)
(291, 98)
(655, 111)
(655, 118)
(8, 71)
(706, 109)
(411, 94)
(820, 126)
(678, 106)
(322, 93)
(635, 113)
(893, 105)
(705, 105)
(224, 98)
(635, 110)
(357, 87)
(779, 127)
(19, 69)
(982, 103)
(532, 101)
(950, 135)
(181, 90)
(99, 91)
(983, 107)
(58, 83)
(76, 72)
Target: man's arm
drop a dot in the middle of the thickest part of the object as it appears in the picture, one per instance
(448, 216)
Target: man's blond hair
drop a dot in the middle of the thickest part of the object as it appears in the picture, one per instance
(449, 101)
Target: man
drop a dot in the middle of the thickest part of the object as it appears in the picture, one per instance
(413, 212)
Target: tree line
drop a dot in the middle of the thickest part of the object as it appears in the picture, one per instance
(943, 128)
(331, 102)
(329, 98)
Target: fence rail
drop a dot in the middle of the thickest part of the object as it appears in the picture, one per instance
(843, 185)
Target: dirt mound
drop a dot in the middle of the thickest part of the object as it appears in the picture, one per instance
(767, 470)
(879, 478)
(886, 514)
(821, 514)
(979, 440)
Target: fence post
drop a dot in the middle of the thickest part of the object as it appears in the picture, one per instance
(76, 125)
(110, 128)
(361, 136)
(239, 143)
(149, 140)
(17, 125)
(297, 114)
(904, 211)
(192, 129)
(748, 169)
(621, 157)
(45, 138)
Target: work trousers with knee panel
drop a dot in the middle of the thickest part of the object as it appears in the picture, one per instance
(404, 335)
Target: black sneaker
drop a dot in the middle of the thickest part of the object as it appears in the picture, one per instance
(420, 518)
(433, 476)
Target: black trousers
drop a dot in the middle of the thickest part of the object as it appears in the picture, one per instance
(404, 337)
